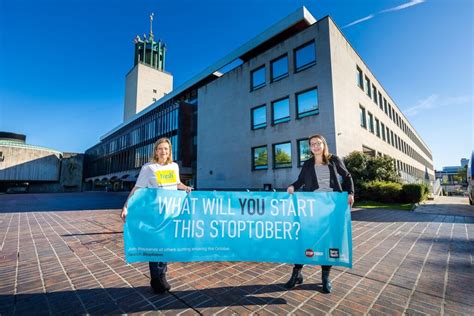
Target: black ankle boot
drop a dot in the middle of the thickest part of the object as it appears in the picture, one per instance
(296, 278)
(327, 286)
(160, 284)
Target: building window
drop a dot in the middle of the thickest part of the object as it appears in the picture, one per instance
(279, 68)
(259, 117)
(282, 155)
(392, 138)
(304, 152)
(374, 93)
(385, 106)
(380, 101)
(388, 136)
(281, 111)
(259, 158)
(307, 103)
(367, 87)
(305, 56)
(371, 122)
(360, 78)
(363, 121)
(258, 78)
(389, 111)
(377, 127)
(382, 129)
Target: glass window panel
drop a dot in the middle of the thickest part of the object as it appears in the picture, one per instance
(359, 78)
(367, 87)
(307, 103)
(305, 56)
(281, 111)
(362, 117)
(259, 117)
(304, 151)
(282, 155)
(258, 78)
(371, 122)
(280, 68)
(260, 158)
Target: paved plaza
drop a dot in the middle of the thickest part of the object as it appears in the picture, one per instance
(71, 261)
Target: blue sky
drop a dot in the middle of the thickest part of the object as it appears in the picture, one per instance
(63, 62)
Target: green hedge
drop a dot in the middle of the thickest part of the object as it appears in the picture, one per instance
(381, 191)
(414, 192)
(391, 192)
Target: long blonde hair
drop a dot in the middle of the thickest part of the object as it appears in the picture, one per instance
(326, 154)
(154, 158)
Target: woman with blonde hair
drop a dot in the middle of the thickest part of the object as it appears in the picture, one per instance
(319, 174)
(160, 173)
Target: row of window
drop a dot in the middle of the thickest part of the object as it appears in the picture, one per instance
(304, 57)
(364, 83)
(404, 167)
(282, 157)
(306, 105)
(368, 121)
(131, 158)
(161, 123)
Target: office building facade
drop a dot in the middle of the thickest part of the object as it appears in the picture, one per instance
(297, 78)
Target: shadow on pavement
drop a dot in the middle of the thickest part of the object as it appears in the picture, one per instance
(132, 300)
(379, 215)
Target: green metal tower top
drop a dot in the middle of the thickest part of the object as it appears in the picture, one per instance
(149, 52)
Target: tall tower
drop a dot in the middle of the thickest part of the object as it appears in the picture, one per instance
(147, 81)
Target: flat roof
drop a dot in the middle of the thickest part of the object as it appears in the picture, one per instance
(11, 143)
(293, 23)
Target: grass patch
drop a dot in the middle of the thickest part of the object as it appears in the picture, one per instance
(381, 205)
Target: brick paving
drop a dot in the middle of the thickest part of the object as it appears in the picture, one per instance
(72, 262)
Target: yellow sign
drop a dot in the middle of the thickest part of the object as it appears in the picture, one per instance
(165, 177)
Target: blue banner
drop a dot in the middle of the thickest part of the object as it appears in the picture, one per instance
(173, 226)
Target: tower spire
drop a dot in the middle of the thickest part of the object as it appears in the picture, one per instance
(151, 25)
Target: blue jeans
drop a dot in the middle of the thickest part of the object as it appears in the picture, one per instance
(157, 269)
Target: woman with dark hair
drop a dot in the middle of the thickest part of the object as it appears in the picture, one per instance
(160, 173)
(319, 174)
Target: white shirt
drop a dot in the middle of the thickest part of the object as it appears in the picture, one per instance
(154, 175)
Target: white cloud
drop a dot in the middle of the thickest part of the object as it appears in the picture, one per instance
(360, 20)
(403, 6)
(436, 101)
(397, 8)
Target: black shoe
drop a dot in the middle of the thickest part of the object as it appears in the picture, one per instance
(327, 286)
(296, 278)
(160, 284)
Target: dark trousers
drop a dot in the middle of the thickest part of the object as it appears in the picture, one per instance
(324, 268)
(157, 269)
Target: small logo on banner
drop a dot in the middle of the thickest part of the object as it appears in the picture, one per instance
(309, 253)
(333, 253)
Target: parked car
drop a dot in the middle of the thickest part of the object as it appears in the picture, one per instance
(470, 179)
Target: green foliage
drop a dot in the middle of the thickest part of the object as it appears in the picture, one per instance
(282, 157)
(364, 168)
(381, 191)
(414, 192)
(261, 159)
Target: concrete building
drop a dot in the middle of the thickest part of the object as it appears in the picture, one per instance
(297, 78)
(294, 83)
(29, 168)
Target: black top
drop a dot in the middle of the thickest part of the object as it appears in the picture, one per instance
(309, 181)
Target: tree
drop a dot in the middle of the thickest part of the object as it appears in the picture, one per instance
(364, 168)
